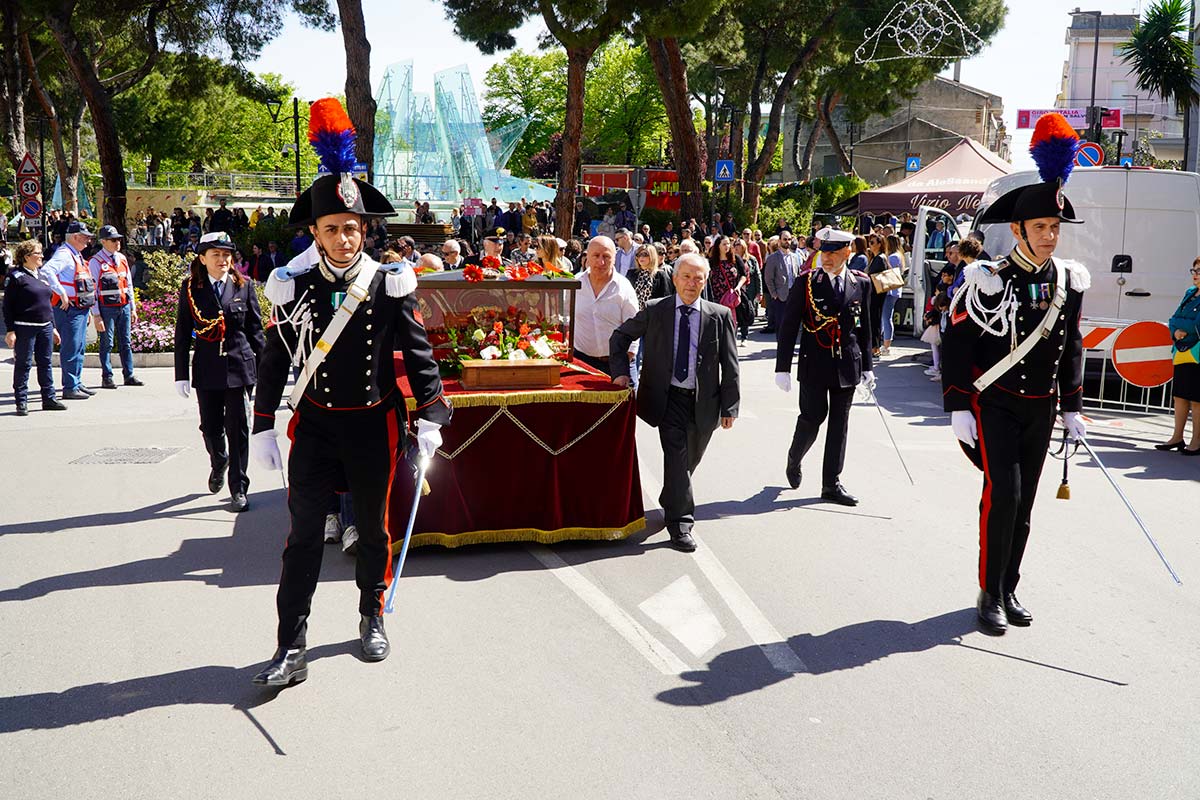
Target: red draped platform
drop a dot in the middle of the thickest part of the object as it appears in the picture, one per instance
(543, 466)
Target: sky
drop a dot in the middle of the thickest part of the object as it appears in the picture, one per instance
(1023, 65)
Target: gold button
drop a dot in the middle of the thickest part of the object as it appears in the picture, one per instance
(326, 390)
(368, 358)
(368, 341)
(368, 372)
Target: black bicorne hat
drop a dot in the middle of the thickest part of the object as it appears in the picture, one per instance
(339, 194)
(1031, 202)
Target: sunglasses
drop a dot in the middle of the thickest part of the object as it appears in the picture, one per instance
(1194, 271)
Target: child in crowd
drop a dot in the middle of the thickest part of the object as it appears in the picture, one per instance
(935, 321)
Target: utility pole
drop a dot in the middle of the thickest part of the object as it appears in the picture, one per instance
(1093, 114)
(1191, 120)
(296, 135)
(42, 167)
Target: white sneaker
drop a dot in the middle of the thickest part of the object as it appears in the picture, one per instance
(933, 372)
(333, 528)
(936, 378)
(885, 351)
(350, 540)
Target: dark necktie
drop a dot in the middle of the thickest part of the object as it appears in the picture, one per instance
(839, 292)
(683, 350)
(219, 290)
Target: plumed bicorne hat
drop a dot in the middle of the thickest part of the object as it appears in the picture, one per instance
(1053, 148)
(333, 137)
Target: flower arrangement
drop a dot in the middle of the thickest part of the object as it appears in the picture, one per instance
(149, 337)
(492, 332)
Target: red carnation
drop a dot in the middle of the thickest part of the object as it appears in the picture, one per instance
(472, 273)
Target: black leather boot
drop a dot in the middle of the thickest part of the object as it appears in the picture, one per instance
(793, 473)
(1017, 613)
(991, 614)
(286, 667)
(375, 645)
(838, 494)
(52, 405)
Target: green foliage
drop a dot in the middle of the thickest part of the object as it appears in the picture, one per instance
(1159, 54)
(167, 271)
(796, 202)
(624, 121)
(268, 229)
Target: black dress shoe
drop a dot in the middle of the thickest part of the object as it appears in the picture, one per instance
(1170, 446)
(107, 382)
(22, 410)
(683, 541)
(286, 667)
(1187, 452)
(838, 494)
(238, 502)
(1017, 614)
(87, 390)
(132, 381)
(793, 474)
(375, 645)
(991, 614)
(53, 405)
(216, 478)
(75, 396)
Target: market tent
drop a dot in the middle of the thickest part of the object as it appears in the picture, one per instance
(954, 182)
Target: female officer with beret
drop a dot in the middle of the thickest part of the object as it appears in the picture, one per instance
(219, 310)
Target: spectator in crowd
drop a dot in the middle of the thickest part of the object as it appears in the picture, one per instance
(625, 253)
(206, 223)
(669, 235)
(573, 253)
(300, 242)
(727, 277)
(605, 300)
(625, 218)
(780, 227)
(455, 221)
(222, 218)
(858, 261)
(429, 262)
(115, 312)
(583, 220)
(526, 251)
(752, 247)
(406, 246)
(491, 215)
(608, 224)
(689, 383)
(894, 252)
(529, 222)
(549, 254)
(935, 321)
(978, 236)
(240, 222)
(645, 232)
(452, 254)
(779, 273)
(876, 263)
(274, 258)
(542, 213)
(71, 319)
(728, 228)
(1185, 331)
(747, 312)
(938, 238)
(30, 333)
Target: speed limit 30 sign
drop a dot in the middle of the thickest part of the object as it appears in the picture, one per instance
(29, 187)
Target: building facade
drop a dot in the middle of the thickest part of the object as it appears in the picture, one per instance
(942, 111)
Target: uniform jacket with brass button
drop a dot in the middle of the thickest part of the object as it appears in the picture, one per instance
(824, 364)
(217, 365)
(1053, 368)
(359, 371)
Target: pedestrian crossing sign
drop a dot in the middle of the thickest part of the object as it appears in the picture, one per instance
(912, 164)
(725, 170)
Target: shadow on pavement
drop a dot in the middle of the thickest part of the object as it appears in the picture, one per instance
(209, 685)
(163, 510)
(745, 670)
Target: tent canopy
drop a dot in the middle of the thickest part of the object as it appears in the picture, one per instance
(954, 182)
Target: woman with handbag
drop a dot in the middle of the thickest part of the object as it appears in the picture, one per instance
(747, 312)
(1185, 330)
(727, 276)
(876, 265)
(895, 259)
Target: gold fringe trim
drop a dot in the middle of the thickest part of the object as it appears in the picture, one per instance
(477, 399)
(522, 535)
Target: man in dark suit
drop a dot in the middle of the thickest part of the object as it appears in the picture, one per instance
(831, 302)
(688, 384)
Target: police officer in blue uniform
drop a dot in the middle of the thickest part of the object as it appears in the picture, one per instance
(339, 318)
(827, 308)
(219, 317)
(1011, 356)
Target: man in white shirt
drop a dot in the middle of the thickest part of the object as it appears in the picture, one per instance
(604, 301)
(625, 259)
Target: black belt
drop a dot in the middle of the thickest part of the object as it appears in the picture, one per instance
(681, 390)
(594, 358)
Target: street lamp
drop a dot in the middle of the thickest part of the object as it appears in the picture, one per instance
(273, 107)
(1133, 149)
(1093, 115)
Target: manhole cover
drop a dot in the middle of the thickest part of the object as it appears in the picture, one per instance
(128, 455)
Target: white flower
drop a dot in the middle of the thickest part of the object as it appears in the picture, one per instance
(478, 335)
(517, 355)
(541, 347)
(489, 353)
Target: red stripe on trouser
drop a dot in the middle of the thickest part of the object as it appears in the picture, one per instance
(985, 502)
(393, 444)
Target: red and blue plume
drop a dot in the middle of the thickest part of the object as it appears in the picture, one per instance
(332, 135)
(1053, 147)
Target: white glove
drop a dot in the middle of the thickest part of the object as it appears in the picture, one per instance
(265, 450)
(1076, 427)
(429, 437)
(868, 380)
(784, 381)
(184, 388)
(963, 423)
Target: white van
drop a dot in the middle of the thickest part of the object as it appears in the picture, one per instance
(1141, 233)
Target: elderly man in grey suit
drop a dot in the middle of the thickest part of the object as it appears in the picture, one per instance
(688, 384)
(779, 273)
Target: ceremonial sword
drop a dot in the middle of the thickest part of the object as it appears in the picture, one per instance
(422, 466)
(882, 416)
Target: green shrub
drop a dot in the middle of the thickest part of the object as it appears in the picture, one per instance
(167, 271)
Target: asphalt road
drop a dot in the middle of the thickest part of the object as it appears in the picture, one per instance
(806, 651)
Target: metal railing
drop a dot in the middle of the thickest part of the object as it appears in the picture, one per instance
(1104, 388)
(267, 183)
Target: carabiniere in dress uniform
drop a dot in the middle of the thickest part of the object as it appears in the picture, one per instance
(1011, 356)
(338, 317)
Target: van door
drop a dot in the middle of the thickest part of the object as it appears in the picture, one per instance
(1161, 239)
(928, 258)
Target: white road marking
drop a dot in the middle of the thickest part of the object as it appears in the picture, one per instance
(756, 624)
(681, 610)
(654, 651)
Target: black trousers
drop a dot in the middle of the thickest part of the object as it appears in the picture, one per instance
(329, 450)
(34, 345)
(596, 363)
(225, 417)
(817, 403)
(683, 444)
(1014, 434)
